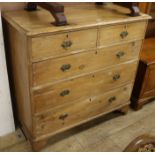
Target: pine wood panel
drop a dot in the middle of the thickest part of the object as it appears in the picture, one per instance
(6, 112)
(82, 87)
(53, 70)
(79, 16)
(114, 34)
(16, 45)
(66, 116)
(52, 46)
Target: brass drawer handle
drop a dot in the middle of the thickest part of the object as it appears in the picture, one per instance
(116, 77)
(66, 44)
(124, 34)
(111, 99)
(65, 67)
(63, 116)
(120, 54)
(64, 93)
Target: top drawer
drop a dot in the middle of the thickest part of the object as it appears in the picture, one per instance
(120, 33)
(63, 44)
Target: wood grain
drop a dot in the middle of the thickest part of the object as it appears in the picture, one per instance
(65, 76)
(51, 46)
(83, 87)
(79, 16)
(49, 71)
(17, 48)
(144, 89)
(112, 34)
(51, 122)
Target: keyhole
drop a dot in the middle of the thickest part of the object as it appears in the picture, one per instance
(125, 27)
(133, 43)
(100, 101)
(125, 88)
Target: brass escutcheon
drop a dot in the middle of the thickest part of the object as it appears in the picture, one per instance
(64, 93)
(120, 54)
(66, 44)
(116, 77)
(124, 34)
(65, 67)
(111, 99)
(63, 116)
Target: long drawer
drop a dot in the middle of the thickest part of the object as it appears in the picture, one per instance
(84, 86)
(58, 69)
(121, 33)
(63, 44)
(70, 115)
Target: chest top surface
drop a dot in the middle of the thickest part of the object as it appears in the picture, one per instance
(78, 16)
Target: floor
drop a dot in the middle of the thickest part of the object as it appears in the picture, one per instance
(112, 132)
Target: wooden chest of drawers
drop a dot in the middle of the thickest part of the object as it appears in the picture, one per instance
(65, 76)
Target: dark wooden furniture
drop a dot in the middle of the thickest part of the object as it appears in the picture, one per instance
(149, 8)
(56, 9)
(144, 87)
(143, 143)
(132, 6)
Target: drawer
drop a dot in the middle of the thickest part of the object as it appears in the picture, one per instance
(58, 69)
(63, 44)
(73, 114)
(121, 33)
(83, 87)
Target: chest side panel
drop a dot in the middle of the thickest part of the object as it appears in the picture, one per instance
(16, 48)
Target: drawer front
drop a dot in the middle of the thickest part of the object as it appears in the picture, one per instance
(58, 69)
(68, 116)
(63, 44)
(83, 87)
(121, 33)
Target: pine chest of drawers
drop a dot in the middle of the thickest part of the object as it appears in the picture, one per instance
(65, 76)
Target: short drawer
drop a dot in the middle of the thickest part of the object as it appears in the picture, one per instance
(121, 33)
(61, 68)
(83, 87)
(63, 44)
(65, 117)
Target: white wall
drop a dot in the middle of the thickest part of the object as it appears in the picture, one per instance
(6, 116)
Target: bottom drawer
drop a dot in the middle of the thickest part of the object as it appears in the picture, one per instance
(70, 115)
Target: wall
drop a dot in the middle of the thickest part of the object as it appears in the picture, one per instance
(11, 6)
(6, 115)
